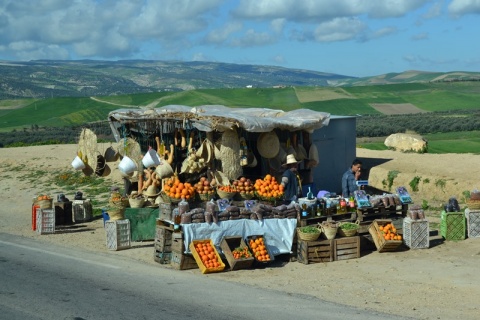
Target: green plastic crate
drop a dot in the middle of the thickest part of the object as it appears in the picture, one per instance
(142, 223)
(452, 225)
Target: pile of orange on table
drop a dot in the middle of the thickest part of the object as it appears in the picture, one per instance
(268, 187)
(176, 189)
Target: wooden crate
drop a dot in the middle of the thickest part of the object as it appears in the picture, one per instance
(314, 251)
(229, 244)
(257, 262)
(162, 257)
(180, 261)
(381, 244)
(163, 238)
(177, 242)
(346, 248)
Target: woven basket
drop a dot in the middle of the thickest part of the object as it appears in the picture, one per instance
(329, 230)
(121, 204)
(225, 195)
(136, 202)
(44, 204)
(348, 232)
(206, 196)
(164, 197)
(308, 236)
(245, 196)
(116, 214)
(473, 205)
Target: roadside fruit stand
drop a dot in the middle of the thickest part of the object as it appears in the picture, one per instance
(214, 174)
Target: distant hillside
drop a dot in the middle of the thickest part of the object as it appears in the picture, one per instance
(85, 78)
(411, 76)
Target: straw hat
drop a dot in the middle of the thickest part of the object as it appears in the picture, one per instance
(87, 150)
(102, 169)
(129, 147)
(229, 154)
(110, 154)
(301, 152)
(268, 144)
(151, 191)
(313, 156)
(275, 164)
(290, 160)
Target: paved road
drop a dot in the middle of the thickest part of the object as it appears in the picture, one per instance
(44, 281)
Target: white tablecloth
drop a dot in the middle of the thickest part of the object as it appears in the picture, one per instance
(278, 233)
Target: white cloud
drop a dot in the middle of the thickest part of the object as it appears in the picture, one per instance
(252, 38)
(339, 29)
(314, 10)
(102, 28)
(463, 7)
(279, 59)
(434, 11)
(277, 25)
(220, 35)
(199, 56)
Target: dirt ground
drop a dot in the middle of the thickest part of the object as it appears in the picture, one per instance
(436, 283)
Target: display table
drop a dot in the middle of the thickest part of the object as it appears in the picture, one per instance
(278, 233)
(142, 222)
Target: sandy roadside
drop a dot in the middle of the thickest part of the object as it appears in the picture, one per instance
(436, 283)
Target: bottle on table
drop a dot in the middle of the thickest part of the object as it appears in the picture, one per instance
(177, 219)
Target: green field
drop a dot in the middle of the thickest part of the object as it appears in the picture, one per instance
(450, 142)
(455, 100)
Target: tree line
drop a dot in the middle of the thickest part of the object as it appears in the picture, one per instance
(421, 123)
(367, 126)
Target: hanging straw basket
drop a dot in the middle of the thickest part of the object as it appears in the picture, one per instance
(308, 236)
(329, 229)
(351, 231)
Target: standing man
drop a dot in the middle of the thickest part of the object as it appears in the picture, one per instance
(290, 180)
(350, 177)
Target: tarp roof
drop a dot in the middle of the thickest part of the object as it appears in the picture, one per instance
(219, 118)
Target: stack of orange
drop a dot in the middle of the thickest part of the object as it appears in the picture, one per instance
(176, 189)
(207, 254)
(268, 187)
(259, 249)
(230, 188)
(390, 232)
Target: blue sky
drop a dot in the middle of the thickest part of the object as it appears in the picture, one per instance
(350, 37)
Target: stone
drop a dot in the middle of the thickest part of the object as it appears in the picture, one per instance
(407, 142)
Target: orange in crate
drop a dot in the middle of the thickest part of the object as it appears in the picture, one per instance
(206, 256)
(259, 249)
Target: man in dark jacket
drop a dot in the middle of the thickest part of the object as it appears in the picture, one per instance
(350, 178)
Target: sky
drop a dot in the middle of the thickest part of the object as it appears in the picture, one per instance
(349, 37)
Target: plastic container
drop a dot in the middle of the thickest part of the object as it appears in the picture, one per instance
(78, 164)
(127, 165)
